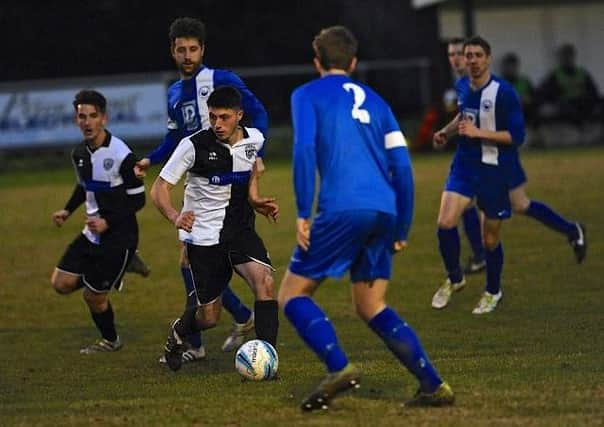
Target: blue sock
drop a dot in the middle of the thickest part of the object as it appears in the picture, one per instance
(471, 225)
(544, 214)
(232, 304)
(317, 331)
(405, 345)
(494, 266)
(187, 278)
(448, 243)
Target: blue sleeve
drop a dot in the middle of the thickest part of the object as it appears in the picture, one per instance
(252, 106)
(401, 171)
(514, 119)
(163, 150)
(304, 157)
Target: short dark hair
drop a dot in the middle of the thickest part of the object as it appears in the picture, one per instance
(187, 27)
(335, 47)
(456, 40)
(90, 97)
(478, 41)
(225, 97)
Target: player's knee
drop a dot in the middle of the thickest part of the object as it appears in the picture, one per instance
(60, 287)
(98, 303)
(367, 311)
(490, 241)
(520, 206)
(207, 322)
(266, 288)
(60, 284)
(446, 222)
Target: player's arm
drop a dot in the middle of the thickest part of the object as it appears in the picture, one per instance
(401, 171)
(181, 161)
(164, 149)
(266, 206)
(78, 196)
(441, 136)
(304, 162)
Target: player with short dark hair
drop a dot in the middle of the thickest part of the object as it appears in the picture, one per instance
(365, 205)
(487, 167)
(96, 260)
(216, 222)
(187, 114)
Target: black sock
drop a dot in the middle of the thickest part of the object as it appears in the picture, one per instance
(104, 323)
(266, 320)
(188, 324)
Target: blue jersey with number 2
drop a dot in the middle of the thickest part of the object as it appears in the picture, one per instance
(347, 132)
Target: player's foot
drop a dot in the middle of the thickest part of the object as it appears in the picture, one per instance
(102, 346)
(443, 295)
(332, 385)
(475, 265)
(190, 355)
(138, 266)
(174, 348)
(487, 303)
(443, 396)
(579, 244)
(238, 334)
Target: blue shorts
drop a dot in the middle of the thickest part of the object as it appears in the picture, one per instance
(517, 177)
(488, 184)
(359, 241)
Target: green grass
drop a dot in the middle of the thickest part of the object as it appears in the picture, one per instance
(538, 360)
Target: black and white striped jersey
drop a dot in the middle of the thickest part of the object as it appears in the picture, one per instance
(109, 188)
(216, 187)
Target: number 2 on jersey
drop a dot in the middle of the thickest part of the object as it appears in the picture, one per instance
(359, 97)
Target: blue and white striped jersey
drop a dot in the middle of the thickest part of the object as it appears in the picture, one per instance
(188, 107)
(494, 107)
(348, 132)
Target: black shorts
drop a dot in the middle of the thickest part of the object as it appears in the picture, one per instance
(212, 266)
(101, 267)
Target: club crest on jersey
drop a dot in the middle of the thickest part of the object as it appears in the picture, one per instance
(250, 151)
(204, 91)
(487, 104)
(107, 164)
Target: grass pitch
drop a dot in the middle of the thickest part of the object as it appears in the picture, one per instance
(538, 360)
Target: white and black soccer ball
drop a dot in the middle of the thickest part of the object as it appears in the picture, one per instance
(257, 360)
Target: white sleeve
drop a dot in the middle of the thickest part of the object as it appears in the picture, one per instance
(181, 160)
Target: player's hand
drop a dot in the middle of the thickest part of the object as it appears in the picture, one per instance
(400, 245)
(467, 128)
(140, 168)
(59, 217)
(97, 224)
(439, 139)
(185, 221)
(303, 233)
(266, 206)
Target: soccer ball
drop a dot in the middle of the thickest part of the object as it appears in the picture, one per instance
(257, 360)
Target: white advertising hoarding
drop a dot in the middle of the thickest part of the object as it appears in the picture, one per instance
(46, 116)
